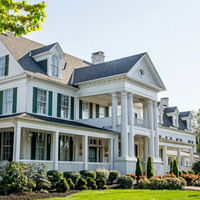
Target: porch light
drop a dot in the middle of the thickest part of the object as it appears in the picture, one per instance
(106, 152)
(80, 150)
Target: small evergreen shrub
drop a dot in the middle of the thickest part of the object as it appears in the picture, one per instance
(143, 183)
(175, 168)
(138, 171)
(183, 182)
(171, 166)
(70, 183)
(101, 182)
(150, 171)
(91, 183)
(54, 176)
(73, 175)
(62, 185)
(184, 171)
(125, 181)
(113, 176)
(196, 167)
(102, 173)
(82, 173)
(157, 184)
(190, 171)
(197, 183)
(82, 184)
(179, 172)
(91, 174)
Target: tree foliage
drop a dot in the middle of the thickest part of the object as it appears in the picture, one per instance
(171, 165)
(196, 126)
(175, 168)
(138, 171)
(150, 171)
(21, 18)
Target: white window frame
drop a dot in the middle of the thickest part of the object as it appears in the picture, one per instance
(54, 66)
(65, 107)
(64, 148)
(7, 101)
(101, 111)
(38, 147)
(85, 110)
(39, 102)
(2, 66)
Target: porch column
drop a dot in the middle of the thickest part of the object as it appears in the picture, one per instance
(155, 120)
(124, 125)
(145, 111)
(179, 157)
(114, 111)
(116, 146)
(76, 107)
(151, 127)
(130, 122)
(56, 149)
(17, 142)
(85, 151)
(165, 158)
(146, 148)
(110, 151)
(191, 156)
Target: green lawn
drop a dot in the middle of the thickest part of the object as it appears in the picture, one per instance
(132, 194)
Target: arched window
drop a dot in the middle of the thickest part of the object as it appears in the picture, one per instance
(54, 66)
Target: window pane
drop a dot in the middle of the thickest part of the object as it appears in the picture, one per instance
(41, 101)
(64, 148)
(2, 66)
(8, 99)
(65, 106)
(85, 110)
(54, 66)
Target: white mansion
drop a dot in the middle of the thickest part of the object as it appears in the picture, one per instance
(72, 115)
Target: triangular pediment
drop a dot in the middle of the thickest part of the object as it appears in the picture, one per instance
(145, 72)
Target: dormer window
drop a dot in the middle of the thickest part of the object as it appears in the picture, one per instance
(54, 66)
(175, 120)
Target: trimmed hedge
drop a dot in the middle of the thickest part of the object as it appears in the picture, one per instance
(102, 173)
(113, 176)
(62, 185)
(73, 175)
(125, 181)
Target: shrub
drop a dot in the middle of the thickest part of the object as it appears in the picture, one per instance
(102, 173)
(70, 183)
(82, 173)
(150, 171)
(196, 166)
(73, 175)
(173, 183)
(197, 183)
(183, 182)
(133, 176)
(113, 176)
(54, 176)
(157, 184)
(90, 182)
(171, 166)
(170, 176)
(184, 171)
(189, 178)
(62, 185)
(138, 171)
(190, 171)
(143, 183)
(101, 182)
(180, 172)
(90, 174)
(175, 168)
(82, 184)
(125, 181)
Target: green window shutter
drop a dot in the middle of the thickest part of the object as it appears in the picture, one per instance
(107, 111)
(97, 110)
(59, 105)
(91, 110)
(1, 102)
(80, 109)
(136, 115)
(72, 109)
(48, 146)
(6, 65)
(14, 107)
(34, 100)
(50, 103)
(33, 146)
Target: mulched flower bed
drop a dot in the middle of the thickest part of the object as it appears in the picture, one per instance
(37, 195)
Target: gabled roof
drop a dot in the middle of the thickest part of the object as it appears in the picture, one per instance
(42, 49)
(106, 69)
(170, 109)
(185, 114)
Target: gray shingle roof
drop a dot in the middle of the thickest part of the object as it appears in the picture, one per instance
(42, 49)
(106, 69)
(170, 109)
(184, 114)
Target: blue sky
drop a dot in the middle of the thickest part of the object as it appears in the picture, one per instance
(168, 30)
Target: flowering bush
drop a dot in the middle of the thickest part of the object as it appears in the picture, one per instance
(143, 183)
(133, 176)
(189, 178)
(170, 175)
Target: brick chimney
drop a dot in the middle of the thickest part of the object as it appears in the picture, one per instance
(98, 57)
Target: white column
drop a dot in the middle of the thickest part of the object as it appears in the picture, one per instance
(110, 153)
(114, 111)
(165, 158)
(130, 122)
(145, 116)
(56, 149)
(155, 120)
(116, 146)
(17, 142)
(151, 126)
(76, 108)
(124, 125)
(179, 157)
(85, 151)
(146, 148)
(191, 156)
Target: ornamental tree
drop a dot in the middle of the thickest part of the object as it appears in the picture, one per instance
(138, 171)
(150, 171)
(175, 168)
(21, 18)
(171, 165)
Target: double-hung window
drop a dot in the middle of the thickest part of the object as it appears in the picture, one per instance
(42, 101)
(64, 106)
(101, 111)
(64, 148)
(85, 110)
(54, 66)
(8, 101)
(2, 66)
(40, 146)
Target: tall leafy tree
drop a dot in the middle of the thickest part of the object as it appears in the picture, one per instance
(138, 171)
(150, 171)
(21, 18)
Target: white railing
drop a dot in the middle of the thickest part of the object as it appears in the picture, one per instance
(70, 166)
(46, 162)
(98, 165)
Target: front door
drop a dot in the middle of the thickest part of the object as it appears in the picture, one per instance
(92, 154)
